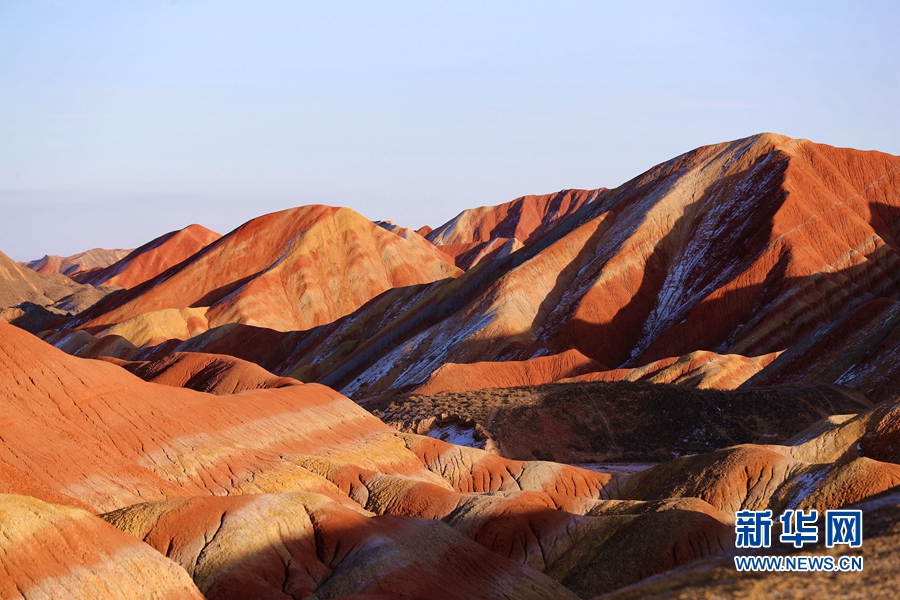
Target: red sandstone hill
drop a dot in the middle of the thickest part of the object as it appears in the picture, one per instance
(51, 551)
(762, 261)
(489, 232)
(95, 258)
(289, 270)
(748, 248)
(151, 259)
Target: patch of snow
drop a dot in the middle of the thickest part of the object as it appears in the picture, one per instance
(453, 434)
(805, 485)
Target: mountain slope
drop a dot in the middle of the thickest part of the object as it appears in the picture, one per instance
(49, 551)
(34, 301)
(740, 248)
(309, 479)
(95, 258)
(151, 259)
(770, 251)
(289, 270)
(487, 232)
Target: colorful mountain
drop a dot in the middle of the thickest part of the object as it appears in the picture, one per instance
(728, 319)
(764, 261)
(290, 270)
(151, 259)
(490, 232)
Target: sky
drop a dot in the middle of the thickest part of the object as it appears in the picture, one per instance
(121, 121)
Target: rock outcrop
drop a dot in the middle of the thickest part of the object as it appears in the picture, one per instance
(261, 486)
(764, 261)
(475, 376)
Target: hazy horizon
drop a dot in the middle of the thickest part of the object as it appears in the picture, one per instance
(122, 122)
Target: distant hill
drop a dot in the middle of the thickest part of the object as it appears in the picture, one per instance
(95, 258)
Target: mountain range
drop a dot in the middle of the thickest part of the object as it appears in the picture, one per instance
(555, 397)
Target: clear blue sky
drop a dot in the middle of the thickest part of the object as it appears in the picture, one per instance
(120, 121)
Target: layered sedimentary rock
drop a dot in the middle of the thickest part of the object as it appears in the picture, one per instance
(320, 495)
(19, 285)
(50, 551)
(748, 248)
(717, 577)
(35, 301)
(300, 545)
(95, 258)
(837, 462)
(210, 373)
(490, 232)
(763, 261)
(290, 270)
(700, 369)
(475, 376)
(749, 263)
(118, 440)
(151, 259)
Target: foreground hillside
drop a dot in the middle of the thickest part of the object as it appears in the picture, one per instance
(306, 475)
(260, 486)
(716, 577)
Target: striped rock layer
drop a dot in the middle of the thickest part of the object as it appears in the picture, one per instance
(290, 270)
(763, 261)
(263, 487)
(151, 259)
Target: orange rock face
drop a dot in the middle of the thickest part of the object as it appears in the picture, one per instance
(704, 370)
(835, 463)
(475, 376)
(488, 232)
(210, 373)
(748, 248)
(749, 263)
(298, 545)
(155, 441)
(290, 270)
(760, 262)
(321, 497)
(53, 551)
(152, 258)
